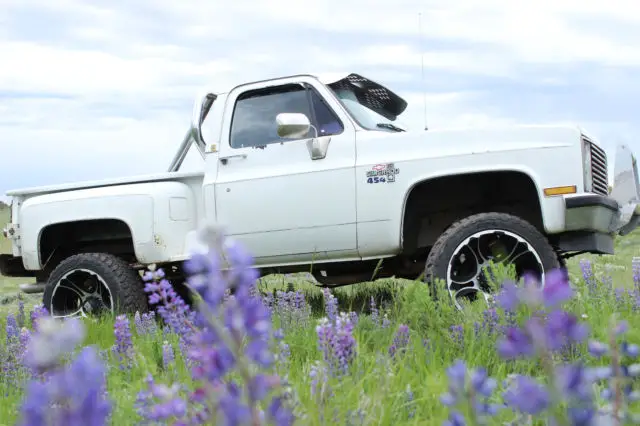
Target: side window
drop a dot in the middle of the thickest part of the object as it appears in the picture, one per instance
(254, 116)
(325, 119)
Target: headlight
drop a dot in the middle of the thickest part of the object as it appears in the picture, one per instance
(586, 165)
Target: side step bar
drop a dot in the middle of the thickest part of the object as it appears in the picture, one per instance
(33, 288)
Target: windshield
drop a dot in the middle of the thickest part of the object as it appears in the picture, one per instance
(366, 117)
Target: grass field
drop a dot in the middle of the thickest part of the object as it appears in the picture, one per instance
(377, 388)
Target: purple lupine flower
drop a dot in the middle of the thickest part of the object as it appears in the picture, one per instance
(172, 308)
(167, 354)
(149, 322)
(161, 403)
(52, 341)
(426, 344)
(457, 335)
(123, 347)
(385, 322)
(607, 279)
(569, 385)
(74, 394)
(556, 291)
(470, 389)
(620, 294)
(411, 405)
(619, 376)
(292, 309)
(319, 375)
(635, 268)
(330, 305)
(21, 317)
(516, 343)
(229, 333)
(588, 275)
(284, 352)
(12, 354)
(337, 344)
(71, 396)
(455, 419)
(559, 331)
(508, 298)
(145, 323)
(557, 288)
(527, 396)
(375, 315)
(11, 328)
(490, 320)
(269, 302)
(353, 317)
(137, 320)
(278, 413)
(39, 311)
(574, 383)
(400, 340)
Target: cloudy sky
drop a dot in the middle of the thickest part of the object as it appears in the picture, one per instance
(95, 88)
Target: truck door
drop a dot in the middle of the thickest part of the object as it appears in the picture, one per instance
(269, 193)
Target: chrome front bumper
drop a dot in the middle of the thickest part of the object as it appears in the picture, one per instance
(618, 213)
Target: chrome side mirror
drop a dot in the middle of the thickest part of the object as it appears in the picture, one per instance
(293, 125)
(318, 147)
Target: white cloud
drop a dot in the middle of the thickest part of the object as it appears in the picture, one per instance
(106, 88)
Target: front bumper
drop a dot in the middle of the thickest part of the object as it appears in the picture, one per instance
(618, 213)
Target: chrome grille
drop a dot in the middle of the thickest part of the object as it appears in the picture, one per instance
(599, 175)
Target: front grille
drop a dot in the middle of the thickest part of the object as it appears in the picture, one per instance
(599, 175)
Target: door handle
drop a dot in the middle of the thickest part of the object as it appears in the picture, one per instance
(224, 160)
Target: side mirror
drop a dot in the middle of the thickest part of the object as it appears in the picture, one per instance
(292, 125)
(295, 125)
(200, 110)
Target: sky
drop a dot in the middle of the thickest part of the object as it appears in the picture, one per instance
(92, 89)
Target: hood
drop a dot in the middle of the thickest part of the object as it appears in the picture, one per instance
(414, 144)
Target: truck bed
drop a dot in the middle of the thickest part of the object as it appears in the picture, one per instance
(157, 177)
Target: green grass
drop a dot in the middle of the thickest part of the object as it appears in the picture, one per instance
(377, 386)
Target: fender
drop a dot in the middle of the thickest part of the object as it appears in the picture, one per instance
(551, 208)
(158, 214)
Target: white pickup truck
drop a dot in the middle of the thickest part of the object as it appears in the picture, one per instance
(313, 175)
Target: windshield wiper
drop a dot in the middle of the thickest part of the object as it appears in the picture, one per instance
(390, 127)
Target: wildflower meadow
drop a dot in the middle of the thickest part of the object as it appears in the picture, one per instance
(252, 351)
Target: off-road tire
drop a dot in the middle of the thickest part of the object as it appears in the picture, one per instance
(442, 251)
(125, 284)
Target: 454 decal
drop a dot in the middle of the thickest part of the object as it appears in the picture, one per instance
(376, 179)
(381, 173)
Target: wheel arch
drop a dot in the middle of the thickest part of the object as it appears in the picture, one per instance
(462, 182)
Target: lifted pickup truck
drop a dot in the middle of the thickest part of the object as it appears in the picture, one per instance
(314, 175)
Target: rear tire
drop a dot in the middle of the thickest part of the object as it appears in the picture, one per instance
(93, 283)
(475, 238)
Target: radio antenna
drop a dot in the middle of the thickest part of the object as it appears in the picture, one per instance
(424, 90)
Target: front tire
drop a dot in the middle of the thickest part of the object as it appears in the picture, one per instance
(464, 250)
(94, 283)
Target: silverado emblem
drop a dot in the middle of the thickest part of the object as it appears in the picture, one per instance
(381, 173)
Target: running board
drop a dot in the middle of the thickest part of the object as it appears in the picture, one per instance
(33, 288)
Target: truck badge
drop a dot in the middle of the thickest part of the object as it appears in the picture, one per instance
(381, 173)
